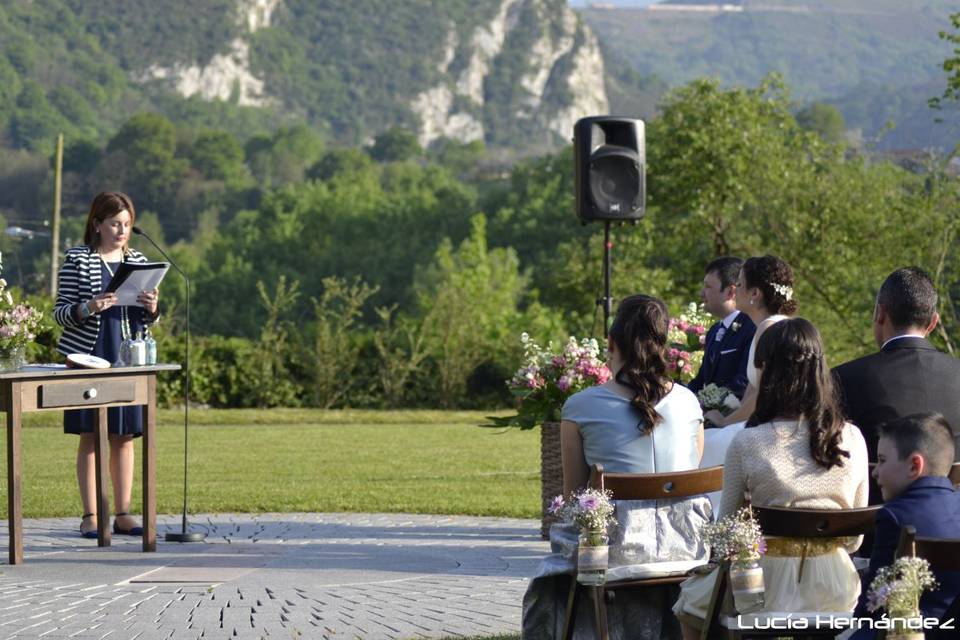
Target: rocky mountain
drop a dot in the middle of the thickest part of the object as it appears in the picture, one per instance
(514, 73)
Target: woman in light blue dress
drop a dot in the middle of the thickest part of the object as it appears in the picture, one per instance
(637, 422)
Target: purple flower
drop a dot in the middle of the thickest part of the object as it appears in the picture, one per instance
(589, 503)
(877, 599)
(555, 505)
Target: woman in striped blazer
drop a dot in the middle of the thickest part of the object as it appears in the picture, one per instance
(94, 324)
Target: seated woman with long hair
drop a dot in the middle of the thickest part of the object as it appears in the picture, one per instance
(796, 451)
(637, 422)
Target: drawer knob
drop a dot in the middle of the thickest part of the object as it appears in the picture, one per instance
(90, 394)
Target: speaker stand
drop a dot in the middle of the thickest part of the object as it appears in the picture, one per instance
(606, 301)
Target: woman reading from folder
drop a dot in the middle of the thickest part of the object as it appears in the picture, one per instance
(94, 324)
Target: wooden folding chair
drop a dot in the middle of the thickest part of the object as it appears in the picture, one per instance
(792, 523)
(943, 554)
(637, 486)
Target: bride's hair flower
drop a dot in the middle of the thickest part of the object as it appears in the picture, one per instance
(783, 290)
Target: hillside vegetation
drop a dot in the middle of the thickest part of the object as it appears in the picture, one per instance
(878, 60)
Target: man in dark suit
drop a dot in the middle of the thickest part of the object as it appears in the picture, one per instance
(727, 343)
(908, 375)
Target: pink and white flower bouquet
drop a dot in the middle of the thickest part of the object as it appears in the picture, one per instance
(686, 336)
(548, 376)
(19, 322)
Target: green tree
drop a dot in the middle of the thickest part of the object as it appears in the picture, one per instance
(952, 64)
(823, 119)
(394, 145)
(283, 158)
(141, 159)
(336, 344)
(218, 156)
(468, 298)
(35, 122)
(339, 161)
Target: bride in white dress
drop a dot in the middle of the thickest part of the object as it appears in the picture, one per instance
(765, 293)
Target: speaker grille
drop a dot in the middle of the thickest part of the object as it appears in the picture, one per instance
(615, 184)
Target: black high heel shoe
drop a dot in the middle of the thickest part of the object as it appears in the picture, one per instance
(132, 531)
(90, 535)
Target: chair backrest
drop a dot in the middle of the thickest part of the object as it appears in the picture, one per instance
(943, 554)
(816, 523)
(647, 486)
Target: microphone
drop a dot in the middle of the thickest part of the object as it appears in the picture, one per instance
(183, 536)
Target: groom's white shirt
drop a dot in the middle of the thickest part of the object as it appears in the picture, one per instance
(725, 324)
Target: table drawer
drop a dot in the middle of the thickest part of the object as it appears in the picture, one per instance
(72, 394)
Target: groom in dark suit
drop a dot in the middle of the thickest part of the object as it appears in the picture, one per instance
(908, 375)
(727, 344)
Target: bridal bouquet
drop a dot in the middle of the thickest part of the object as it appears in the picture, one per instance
(686, 336)
(549, 376)
(720, 398)
(897, 588)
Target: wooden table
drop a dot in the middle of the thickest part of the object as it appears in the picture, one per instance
(47, 388)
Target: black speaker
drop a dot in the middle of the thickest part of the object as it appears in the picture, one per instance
(609, 155)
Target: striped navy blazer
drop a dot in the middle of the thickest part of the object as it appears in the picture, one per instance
(79, 280)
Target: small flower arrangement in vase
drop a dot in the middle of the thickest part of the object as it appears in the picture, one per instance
(737, 538)
(686, 335)
(720, 398)
(897, 588)
(19, 324)
(549, 376)
(592, 511)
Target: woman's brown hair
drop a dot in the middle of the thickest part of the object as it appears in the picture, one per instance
(106, 205)
(639, 331)
(796, 382)
(773, 277)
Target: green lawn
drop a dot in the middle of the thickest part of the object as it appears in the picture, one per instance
(309, 460)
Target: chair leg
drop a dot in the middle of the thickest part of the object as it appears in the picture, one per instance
(599, 612)
(570, 616)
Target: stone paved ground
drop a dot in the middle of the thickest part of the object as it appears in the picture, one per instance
(290, 576)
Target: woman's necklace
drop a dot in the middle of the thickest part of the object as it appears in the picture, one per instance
(125, 332)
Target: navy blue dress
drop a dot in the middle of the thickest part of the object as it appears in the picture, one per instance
(120, 420)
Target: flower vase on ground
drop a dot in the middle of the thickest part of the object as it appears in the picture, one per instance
(898, 588)
(746, 583)
(592, 557)
(12, 358)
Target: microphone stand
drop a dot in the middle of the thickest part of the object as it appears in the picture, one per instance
(183, 536)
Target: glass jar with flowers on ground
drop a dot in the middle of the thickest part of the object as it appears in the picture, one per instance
(686, 336)
(592, 511)
(737, 539)
(897, 588)
(19, 324)
(544, 381)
